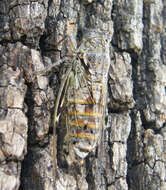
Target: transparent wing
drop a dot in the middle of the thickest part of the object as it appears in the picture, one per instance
(56, 117)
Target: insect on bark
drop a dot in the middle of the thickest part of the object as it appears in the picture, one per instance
(81, 100)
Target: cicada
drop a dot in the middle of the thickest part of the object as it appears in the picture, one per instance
(81, 101)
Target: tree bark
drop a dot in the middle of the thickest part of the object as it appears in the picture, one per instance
(37, 35)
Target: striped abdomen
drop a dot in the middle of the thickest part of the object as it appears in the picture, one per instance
(84, 120)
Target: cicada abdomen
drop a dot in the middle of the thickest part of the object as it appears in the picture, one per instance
(84, 99)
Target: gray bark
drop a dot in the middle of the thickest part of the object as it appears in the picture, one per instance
(132, 152)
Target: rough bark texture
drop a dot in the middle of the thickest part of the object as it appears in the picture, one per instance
(31, 33)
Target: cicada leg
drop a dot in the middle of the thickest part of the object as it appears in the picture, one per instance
(47, 69)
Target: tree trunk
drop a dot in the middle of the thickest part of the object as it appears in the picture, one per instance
(39, 42)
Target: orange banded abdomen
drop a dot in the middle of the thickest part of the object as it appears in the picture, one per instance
(84, 122)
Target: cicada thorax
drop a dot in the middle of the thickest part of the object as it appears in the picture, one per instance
(84, 99)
